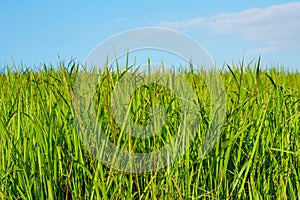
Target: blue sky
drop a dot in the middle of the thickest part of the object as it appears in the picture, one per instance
(35, 32)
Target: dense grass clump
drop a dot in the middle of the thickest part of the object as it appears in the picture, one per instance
(256, 157)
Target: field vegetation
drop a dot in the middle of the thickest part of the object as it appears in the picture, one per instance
(256, 157)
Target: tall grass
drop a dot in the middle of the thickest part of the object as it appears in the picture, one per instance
(256, 157)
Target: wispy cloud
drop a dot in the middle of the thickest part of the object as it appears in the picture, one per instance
(278, 26)
(262, 50)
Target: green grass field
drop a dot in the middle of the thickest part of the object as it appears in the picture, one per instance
(256, 157)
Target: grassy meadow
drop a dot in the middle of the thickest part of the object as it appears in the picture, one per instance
(256, 157)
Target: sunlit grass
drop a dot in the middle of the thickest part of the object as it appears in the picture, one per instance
(256, 157)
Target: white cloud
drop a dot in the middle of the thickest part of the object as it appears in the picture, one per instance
(262, 50)
(278, 26)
